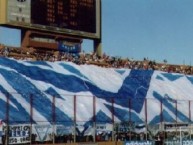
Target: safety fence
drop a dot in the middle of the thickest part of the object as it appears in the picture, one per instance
(63, 118)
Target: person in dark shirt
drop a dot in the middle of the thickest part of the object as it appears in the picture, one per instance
(3, 139)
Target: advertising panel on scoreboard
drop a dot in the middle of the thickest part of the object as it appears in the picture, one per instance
(73, 17)
(70, 48)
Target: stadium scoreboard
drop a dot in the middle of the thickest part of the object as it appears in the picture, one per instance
(73, 17)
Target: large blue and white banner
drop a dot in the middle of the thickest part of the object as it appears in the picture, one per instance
(102, 94)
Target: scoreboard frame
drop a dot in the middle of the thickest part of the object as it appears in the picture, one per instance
(52, 29)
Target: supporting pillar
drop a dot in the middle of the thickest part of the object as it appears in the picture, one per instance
(98, 47)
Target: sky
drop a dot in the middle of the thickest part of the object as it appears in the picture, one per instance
(153, 29)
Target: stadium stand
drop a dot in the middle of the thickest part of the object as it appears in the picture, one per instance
(91, 58)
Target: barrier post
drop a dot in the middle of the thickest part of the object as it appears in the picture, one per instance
(189, 122)
(7, 121)
(176, 112)
(94, 118)
(162, 120)
(130, 115)
(53, 118)
(74, 118)
(161, 112)
(189, 105)
(113, 121)
(31, 116)
(146, 117)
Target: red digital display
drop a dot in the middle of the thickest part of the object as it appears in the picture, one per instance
(77, 15)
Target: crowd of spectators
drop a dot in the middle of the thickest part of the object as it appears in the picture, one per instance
(92, 58)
